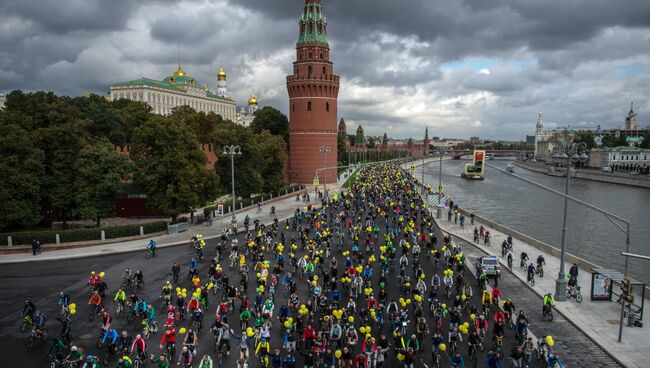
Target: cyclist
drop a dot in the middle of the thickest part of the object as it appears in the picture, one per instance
(91, 362)
(206, 361)
(75, 356)
(29, 309)
(166, 293)
(125, 362)
(531, 272)
(168, 341)
(39, 323)
(185, 357)
(176, 270)
(152, 247)
(457, 360)
(112, 336)
(140, 346)
(120, 297)
(549, 301)
(161, 361)
(106, 320)
(95, 301)
(124, 343)
(64, 300)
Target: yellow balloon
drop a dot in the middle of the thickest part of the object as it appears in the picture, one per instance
(550, 343)
(362, 329)
(472, 316)
(444, 306)
(182, 330)
(287, 324)
(102, 274)
(400, 356)
(442, 347)
(338, 354)
(72, 306)
(368, 329)
(463, 297)
(73, 311)
(351, 319)
(466, 325)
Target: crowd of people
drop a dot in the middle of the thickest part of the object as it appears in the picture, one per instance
(364, 280)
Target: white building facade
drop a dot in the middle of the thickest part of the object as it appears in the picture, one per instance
(2, 101)
(176, 90)
(245, 116)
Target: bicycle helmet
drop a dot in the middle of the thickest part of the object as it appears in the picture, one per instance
(74, 348)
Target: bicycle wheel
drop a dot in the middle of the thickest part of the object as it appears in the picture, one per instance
(532, 282)
(579, 298)
(23, 326)
(29, 342)
(146, 334)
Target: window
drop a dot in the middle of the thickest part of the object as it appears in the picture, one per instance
(309, 106)
(327, 106)
(311, 56)
(324, 69)
(293, 107)
(309, 70)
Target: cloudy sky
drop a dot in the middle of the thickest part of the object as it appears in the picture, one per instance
(461, 67)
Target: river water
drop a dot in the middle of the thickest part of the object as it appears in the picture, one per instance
(538, 213)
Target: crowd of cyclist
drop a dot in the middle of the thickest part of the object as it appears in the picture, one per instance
(364, 283)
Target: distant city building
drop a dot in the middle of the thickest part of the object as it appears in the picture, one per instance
(475, 140)
(3, 99)
(623, 158)
(178, 89)
(530, 140)
(543, 144)
(245, 116)
(630, 120)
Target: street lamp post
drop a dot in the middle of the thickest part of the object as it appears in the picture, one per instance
(571, 152)
(324, 150)
(232, 151)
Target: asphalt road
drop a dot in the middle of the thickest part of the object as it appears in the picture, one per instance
(41, 282)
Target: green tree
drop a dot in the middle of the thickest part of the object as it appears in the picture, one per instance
(171, 168)
(100, 174)
(645, 143)
(204, 125)
(342, 156)
(271, 119)
(21, 165)
(248, 165)
(586, 137)
(61, 145)
(271, 149)
(613, 141)
(132, 114)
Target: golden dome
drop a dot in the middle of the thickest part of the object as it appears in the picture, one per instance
(221, 74)
(252, 100)
(180, 72)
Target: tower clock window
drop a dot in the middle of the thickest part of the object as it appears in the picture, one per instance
(309, 106)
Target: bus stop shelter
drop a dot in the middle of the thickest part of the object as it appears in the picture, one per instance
(605, 285)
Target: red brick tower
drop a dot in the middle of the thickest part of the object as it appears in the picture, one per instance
(313, 91)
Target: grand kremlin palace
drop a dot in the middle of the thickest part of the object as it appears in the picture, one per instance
(178, 89)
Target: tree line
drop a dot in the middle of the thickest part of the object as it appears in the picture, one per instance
(60, 152)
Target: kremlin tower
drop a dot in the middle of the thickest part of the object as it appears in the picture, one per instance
(313, 91)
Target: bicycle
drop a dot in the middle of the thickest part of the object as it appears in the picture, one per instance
(149, 328)
(119, 308)
(223, 354)
(151, 253)
(531, 279)
(94, 311)
(574, 292)
(35, 337)
(539, 270)
(547, 312)
(498, 343)
(111, 353)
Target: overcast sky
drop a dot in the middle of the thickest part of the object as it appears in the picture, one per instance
(464, 68)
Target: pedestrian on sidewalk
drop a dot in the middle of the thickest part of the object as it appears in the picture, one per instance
(34, 247)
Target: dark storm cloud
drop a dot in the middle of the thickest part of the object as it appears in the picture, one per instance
(479, 67)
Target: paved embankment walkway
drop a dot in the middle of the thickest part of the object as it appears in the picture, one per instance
(284, 208)
(597, 319)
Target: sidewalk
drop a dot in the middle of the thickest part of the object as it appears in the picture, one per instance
(284, 208)
(598, 320)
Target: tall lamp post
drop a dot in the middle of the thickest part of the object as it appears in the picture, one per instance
(572, 153)
(232, 151)
(324, 150)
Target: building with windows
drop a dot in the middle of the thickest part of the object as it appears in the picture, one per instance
(245, 116)
(2, 101)
(623, 158)
(178, 89)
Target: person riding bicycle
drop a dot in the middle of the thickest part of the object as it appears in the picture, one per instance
(112, 337)
(29, 309)
(473, 340)
(91, 362)
(166, 292)
(185, 357)
(510, 257)
(523, 259)
(140, 346)
(125, 362)
(138, 277)
(531, 272)
(161, 361)
(106, 320)
(548, 302)
(197, 316)
(191, 339)
(457, 360)
(64, 300)
(152, 247)
(168, 341)
(124, 343)
(75, 356)
(95, 301)
(120, 297)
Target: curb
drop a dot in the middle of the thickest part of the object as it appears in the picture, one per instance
(521, 278)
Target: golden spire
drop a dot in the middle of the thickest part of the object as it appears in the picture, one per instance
(221, 75)
(179, 72)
